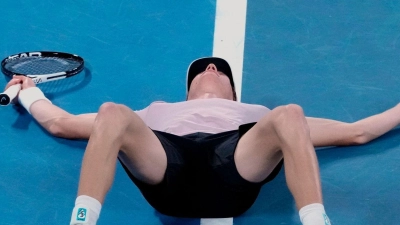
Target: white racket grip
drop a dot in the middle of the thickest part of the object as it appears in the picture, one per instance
(8, 95)
(29, 96)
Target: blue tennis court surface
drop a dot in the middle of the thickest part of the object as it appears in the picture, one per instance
(337, 59)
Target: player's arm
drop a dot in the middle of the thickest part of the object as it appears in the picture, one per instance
(55, 120)
(325, 132)
(60, 123)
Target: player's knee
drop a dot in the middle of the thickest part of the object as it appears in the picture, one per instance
(289, 112)
(289, 117)
(106, 111)
(119, 118)
(294, 111)
(108, 107)
(110, 114)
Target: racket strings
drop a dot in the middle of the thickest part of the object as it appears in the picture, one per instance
(41, 65)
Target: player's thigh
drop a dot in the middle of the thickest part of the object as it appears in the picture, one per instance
(141, 151)
(257, 152)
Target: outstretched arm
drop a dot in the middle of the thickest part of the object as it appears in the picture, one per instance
(325, 132)
(61, 123)
(55, 120)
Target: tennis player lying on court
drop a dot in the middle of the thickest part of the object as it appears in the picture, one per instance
(209, 155)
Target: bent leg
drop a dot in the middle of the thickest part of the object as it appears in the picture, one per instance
(118, 131)
(282, 133)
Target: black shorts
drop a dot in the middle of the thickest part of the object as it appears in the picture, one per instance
(201, 179)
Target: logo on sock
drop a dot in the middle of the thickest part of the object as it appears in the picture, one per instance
(326, 219)
(81, 214)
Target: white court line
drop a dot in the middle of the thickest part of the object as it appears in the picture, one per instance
(229, 36)
(216, 221)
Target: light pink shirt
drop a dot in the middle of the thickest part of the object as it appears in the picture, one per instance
(212, 115)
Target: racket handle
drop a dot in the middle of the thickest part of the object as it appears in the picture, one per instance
(8, 95)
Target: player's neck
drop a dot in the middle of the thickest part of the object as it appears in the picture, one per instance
(205, 95)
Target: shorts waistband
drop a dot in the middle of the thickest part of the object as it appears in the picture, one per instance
(197, 136)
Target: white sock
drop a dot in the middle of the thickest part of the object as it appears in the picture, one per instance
(86, 211)
(314, 214)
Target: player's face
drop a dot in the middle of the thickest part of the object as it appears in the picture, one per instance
(210, 83)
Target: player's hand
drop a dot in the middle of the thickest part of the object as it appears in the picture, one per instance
(25, 82)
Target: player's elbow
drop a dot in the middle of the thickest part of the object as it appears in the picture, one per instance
(70, 127)
(359, 136)
(56, 127)
(64, 127)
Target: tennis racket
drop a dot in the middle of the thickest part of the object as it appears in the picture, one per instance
(41, 67)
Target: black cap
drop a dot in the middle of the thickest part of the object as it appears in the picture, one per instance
(199, 65)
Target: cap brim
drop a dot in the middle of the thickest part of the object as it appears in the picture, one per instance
(199, 65)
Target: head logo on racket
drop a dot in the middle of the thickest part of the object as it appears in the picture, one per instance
(24, 54)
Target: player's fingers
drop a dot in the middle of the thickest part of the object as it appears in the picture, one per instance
(18, 76)
(15, 80)
(27, 83)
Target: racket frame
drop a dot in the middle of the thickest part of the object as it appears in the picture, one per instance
(8, 95)
(43, 54)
